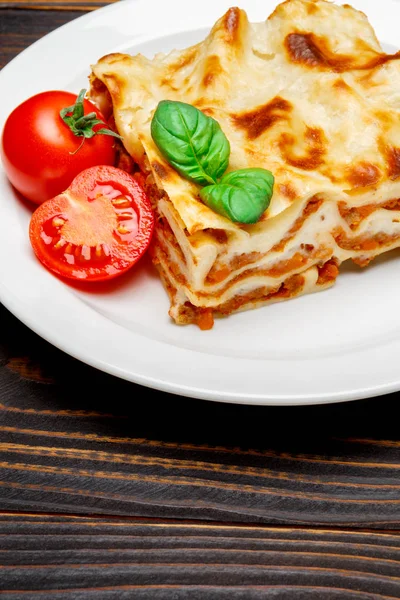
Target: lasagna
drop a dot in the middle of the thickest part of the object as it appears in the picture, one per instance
(310, 95)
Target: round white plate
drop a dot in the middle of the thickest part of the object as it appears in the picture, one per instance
(342, 344)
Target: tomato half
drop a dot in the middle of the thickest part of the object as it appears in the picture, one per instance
(38, 148)
(95, 230)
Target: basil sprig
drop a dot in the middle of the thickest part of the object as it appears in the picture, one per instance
(195, 145)
(192, 143)
(242, 196)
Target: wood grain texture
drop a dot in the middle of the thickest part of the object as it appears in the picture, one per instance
(21, 28)
(78, 558)
(54, 5)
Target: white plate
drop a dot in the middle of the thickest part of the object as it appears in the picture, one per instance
(337, 345)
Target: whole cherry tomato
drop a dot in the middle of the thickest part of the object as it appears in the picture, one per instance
(43, 151)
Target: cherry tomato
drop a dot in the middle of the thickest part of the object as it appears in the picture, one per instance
(39, 150)
(95, 230)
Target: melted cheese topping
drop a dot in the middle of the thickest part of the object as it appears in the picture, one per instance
(308, 94)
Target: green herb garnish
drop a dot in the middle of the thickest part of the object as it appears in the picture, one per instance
(195, 145)
(242, 196)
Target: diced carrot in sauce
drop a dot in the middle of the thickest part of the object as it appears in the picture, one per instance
(220, 275)
(293, 263)
(205, 319)
(328, 272)
(369, 245)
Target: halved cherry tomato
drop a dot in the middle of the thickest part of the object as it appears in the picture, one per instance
(95, 230)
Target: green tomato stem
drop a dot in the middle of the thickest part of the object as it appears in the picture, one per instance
(82, 125)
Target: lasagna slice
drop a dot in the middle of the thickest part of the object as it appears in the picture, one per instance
(309, 95)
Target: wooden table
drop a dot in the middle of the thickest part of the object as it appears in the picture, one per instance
(152, 496)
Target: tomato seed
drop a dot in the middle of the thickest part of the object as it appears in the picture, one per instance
(121, 202)
(122, 230)
(99, 251)
(58, 222)
(61, 242)
(124, 216)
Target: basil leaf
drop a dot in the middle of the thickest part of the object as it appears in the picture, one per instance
(193, 143)
(241, 196)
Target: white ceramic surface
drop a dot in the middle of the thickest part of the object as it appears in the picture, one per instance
(337, 345)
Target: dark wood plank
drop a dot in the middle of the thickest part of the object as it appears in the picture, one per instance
(20, 28)
(81, 558)
(83, 5)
